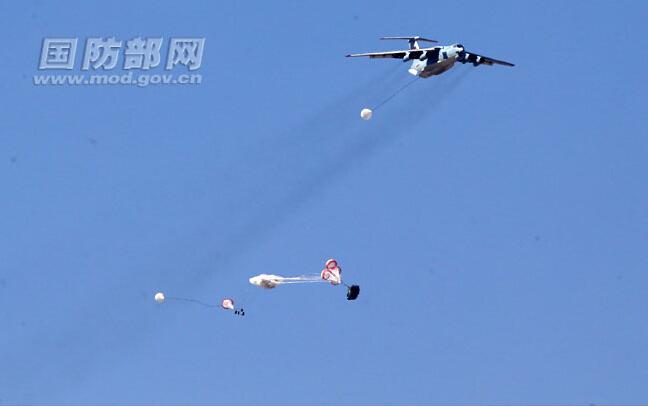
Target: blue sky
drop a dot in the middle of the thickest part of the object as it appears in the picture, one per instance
(496, 218)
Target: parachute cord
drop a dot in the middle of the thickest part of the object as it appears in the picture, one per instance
(192, 300)
(402, 88)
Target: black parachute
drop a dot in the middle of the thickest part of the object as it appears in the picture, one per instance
(353, 292)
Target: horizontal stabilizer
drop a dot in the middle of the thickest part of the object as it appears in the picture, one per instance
(412, 38)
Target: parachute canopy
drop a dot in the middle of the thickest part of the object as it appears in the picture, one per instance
(353, 292)
(227, 303)
(332, 272)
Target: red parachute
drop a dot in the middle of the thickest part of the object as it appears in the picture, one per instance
(332, 272)
(227, 303)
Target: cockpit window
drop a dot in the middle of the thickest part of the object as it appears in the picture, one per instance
(459, 46)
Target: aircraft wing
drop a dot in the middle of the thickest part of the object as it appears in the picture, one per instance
(481, 59)
(408, 54)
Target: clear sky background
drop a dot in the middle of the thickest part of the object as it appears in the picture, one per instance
(496, 218)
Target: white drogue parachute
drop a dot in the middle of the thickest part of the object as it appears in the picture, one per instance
(159, 298)
(273, 280)
(366, 113)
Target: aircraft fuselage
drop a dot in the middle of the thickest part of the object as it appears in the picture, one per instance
(437, 61)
